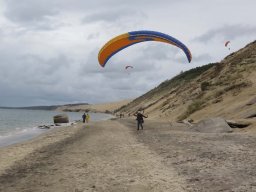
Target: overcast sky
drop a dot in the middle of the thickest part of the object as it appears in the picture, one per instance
(49, 48)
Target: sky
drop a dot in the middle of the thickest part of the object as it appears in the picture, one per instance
(49, 48)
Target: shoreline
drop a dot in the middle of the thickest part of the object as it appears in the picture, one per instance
(13, 153)
(15, 134)
(26, 134)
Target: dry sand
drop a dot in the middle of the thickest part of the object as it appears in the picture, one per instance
(112, 156)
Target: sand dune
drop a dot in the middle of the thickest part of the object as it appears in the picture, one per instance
(104, 107)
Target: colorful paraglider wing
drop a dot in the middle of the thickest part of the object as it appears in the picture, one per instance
(125, 40)
(226, 44)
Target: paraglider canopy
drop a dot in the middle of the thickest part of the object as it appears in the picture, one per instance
(128, 66)
(125, 40)
(226, 43)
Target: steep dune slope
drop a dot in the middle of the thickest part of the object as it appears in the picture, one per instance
(226, 89)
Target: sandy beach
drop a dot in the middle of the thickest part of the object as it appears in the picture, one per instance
(113, 156)
(79, 78)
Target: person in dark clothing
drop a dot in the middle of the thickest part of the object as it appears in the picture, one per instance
(139, 117)
(84, 117)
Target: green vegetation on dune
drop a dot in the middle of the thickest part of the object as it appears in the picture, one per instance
(189, 75)
(193, 107)
(182, 78)
(176, 81)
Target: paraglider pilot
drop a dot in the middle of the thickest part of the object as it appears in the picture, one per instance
(84, 117)
(139, 117)
(87, 118)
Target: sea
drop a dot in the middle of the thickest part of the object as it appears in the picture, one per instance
(18, 125)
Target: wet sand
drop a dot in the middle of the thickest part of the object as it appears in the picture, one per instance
(113, 156)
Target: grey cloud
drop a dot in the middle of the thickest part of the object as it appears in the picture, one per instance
(141, 60)
(61, 66)
(29, 11)
(145, 75)
(43, 14)
(112, 15)
(227, 32)
(31, 76)
(160, 51)
(40, 71)
(202, 58)
(93, 36)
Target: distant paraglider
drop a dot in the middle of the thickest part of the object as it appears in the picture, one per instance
(128, 69)
(227, 44)
(125, 40)
(128, 66)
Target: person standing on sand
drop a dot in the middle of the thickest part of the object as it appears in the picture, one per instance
(139, 117)
(87, 118)
(84, 117)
